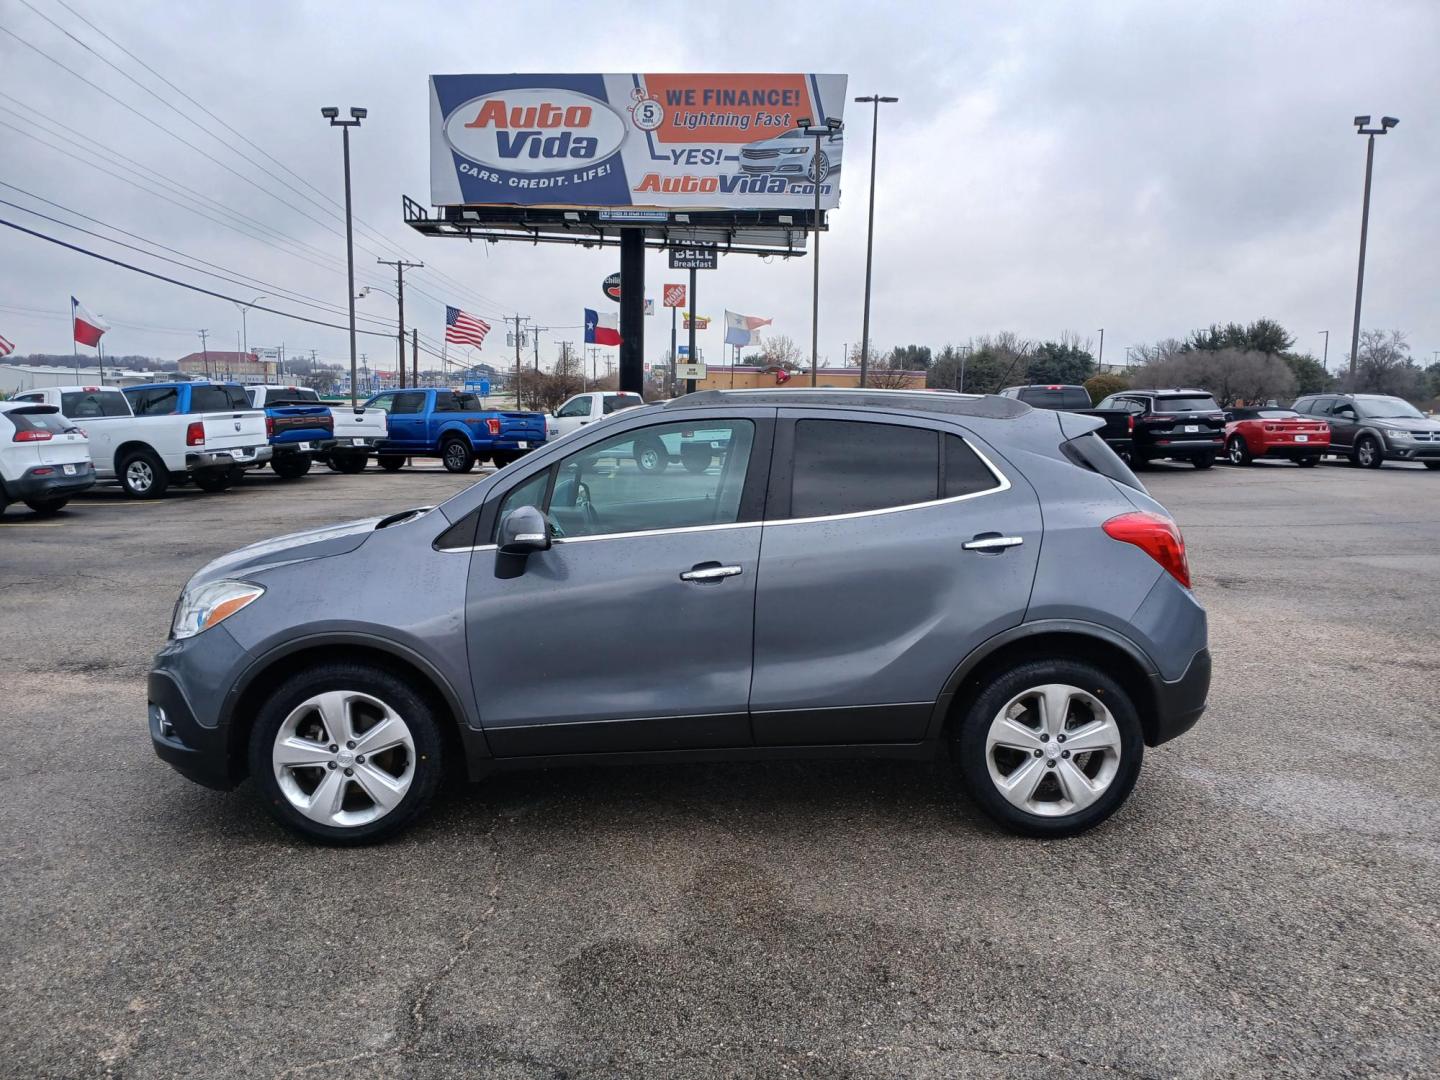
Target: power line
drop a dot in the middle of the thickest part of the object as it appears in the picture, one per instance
(184, 284)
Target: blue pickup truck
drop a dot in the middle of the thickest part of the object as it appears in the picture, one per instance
(453, 426)
(299, 426)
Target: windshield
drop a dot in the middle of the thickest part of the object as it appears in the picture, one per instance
(1200, 403)
(1387, 408)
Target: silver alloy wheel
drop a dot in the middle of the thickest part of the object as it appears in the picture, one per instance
(649, 459)
(1365, 452)
(139, 475)
(343, 758)
(1237, 450)
(455, 455)
(1053, 750)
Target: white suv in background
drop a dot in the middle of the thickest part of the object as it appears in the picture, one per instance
(585, 409)
(44, 458)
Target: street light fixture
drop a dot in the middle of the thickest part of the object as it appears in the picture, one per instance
(244, 328)
(331, 113)
(877, 100)
(828, 130)
(1362, 127)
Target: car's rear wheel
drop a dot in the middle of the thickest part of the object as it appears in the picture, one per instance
(46, 506)
(390, 464)
(1050, 747)
(1307, 462)
(1203, 461)
(651, 455)
(457, 456)
(696, 458)
(348, 463)
(346, 754)
(505, 457)
(213, 480)
(1368, 454)
(291, 467)
(142, 475)
(1237, 451)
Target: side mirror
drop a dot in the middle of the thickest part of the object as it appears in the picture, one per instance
(523, 531)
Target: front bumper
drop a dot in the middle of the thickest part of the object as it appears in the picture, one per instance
(1178, 704)
(186, 690)
(1412, 451)
(50, 482)
(240, 455)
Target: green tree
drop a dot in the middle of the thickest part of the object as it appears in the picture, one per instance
(1262, 335)
(910, 357)
(1060, 362)
(1310, 375)
(1100, 387)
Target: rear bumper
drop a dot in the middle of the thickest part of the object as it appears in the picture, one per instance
(1179, 704)
(1178, 447)
(1292, 450)
(51, 483)
(303, 446)
(240, 455)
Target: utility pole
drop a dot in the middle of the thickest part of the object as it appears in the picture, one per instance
(1101, 358)
(205, 349)
(400, 267)
(414, 356)
(517, 319)
(594, 367)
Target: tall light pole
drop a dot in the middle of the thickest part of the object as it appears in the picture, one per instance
(1099, 360)
(244, 328)
(819, 169)
(1325, 358)
(331, 113)
(876, 100)
(1362, 127)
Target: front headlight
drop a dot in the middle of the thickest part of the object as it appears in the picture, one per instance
(206, 605)
(1398, 436)
(797, 150)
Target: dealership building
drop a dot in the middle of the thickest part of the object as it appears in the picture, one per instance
(242, 366)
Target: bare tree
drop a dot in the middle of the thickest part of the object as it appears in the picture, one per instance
(1385, 367)
(780, 352)
(888, 372)
(1233, 376)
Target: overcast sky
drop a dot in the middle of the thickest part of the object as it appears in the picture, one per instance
(1146, 167)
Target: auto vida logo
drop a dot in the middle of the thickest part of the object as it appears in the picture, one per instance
(535, 130)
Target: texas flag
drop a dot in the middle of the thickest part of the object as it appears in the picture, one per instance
(88, 327)
(743, 329)
(600, 329)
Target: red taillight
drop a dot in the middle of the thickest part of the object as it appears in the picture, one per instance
(269, 427)
(1157, 536)
(33, 435)
(195, 434)
(493, 423)
(41, 472)
(1131, 425)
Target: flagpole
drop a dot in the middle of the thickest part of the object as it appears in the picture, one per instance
(74, 345)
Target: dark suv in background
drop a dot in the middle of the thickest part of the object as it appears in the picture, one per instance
(1145, 425)
(1054, 396)
(1371, 429)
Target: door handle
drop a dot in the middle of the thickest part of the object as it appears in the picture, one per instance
(992, 543)
(704, 572)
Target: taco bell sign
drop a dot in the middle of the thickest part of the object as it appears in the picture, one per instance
(670, 141)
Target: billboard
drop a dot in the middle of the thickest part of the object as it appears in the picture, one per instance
(682, 142)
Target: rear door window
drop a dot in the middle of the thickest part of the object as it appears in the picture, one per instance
(615, 402)
(158, 401)
(849, 466)
(407, 403)
(79, 404)
(217, 399)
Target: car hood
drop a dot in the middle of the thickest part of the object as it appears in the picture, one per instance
(1405, 424)
(297, 547)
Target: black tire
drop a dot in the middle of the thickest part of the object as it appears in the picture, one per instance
(1238, 452)
(142, 475)
(45, 507)
(1203, 461)
(1138, 462)
(970, 735)
(412, 706)
(651, 456)
(291, 466)
(214, 480)
(1368, 454)
(348, 463)
(1307, 462)
(390, 464)
(696, 459)
(505, 457)
(457, 456)
(1432, 465)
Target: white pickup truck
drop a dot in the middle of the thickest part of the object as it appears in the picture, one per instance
(355, 431)
(583, 409)
(148, 437)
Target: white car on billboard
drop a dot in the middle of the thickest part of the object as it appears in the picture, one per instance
(792, 154)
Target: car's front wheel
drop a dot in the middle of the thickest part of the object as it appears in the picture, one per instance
(1368, 454)
(142, 475)
(1203, 461)
(346, 754)
(1050, 748)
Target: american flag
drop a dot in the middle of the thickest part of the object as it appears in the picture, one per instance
(6, 347)
(464, 329)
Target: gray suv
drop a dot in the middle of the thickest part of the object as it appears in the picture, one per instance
(1371, 429)
(828, 573)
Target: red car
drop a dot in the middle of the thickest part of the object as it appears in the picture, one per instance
(1278, 433)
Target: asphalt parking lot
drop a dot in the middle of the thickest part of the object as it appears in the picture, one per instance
(1266, 904)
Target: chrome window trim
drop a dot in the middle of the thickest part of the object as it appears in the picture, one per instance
(1002, 484)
